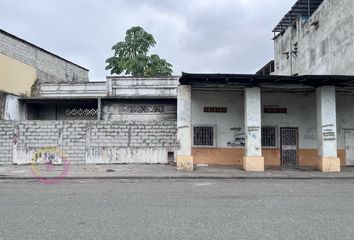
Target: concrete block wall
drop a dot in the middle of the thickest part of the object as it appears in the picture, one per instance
(6, 142)
(50, 68)
(74, 140)
(29, 136)
(89, 141)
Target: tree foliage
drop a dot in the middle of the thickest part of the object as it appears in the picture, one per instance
(131, 56)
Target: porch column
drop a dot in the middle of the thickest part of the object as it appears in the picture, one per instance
(253, 160)
(328, 160)
(184, 128)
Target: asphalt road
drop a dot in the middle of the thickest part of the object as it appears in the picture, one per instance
(177, 209)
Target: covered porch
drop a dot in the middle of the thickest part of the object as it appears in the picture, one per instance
(259, 122)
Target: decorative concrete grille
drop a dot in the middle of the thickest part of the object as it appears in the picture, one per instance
(81, 112)
(203, 136)
(215, 109)
(275, 110)
(143, 109)
(269, 137)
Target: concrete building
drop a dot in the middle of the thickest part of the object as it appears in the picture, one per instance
(272, 120)
(48, 102)
(316, 37)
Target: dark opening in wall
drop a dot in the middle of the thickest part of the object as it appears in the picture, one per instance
(63, 110)
(171, 158)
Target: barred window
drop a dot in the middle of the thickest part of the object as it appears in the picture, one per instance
(269, 137)
(203, 136)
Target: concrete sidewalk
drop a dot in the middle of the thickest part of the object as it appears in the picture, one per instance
(164, 172)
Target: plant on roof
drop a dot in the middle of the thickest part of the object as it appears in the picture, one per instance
(131, 56)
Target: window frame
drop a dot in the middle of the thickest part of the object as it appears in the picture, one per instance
(276, 137)
(214, 135)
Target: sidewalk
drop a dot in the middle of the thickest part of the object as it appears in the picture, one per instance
(136, 171)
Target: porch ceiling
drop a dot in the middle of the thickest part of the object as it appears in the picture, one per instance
(276, 81)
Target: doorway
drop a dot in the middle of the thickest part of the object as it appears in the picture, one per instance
(349, 147)
(289, 147)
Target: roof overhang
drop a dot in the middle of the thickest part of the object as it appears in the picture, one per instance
(252, 80)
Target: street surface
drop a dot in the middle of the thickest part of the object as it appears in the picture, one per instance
(177, 209)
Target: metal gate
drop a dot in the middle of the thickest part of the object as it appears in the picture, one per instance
(289, 147)
(349, 147)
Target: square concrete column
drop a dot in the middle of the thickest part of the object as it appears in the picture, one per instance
(184, 128)
(253, 159)
(328, 160)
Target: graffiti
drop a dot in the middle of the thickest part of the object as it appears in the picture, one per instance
(239, 138)
(49, 157)
(185, 165)
(329, 132)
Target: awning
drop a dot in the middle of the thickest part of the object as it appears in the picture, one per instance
(249, 80)
(301, 8)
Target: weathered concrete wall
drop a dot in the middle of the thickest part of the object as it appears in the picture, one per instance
(2, 104)
(301, 114)
(139, 110)
(230, 126)
(14, 109)
(325, 42)
(89, 141)
(132, 87)
(50, 68)
(88, 89)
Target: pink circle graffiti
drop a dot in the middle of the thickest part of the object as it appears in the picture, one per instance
(47, 154)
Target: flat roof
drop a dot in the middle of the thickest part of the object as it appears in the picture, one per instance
(35, 46)
(249, 80)
(300, 8)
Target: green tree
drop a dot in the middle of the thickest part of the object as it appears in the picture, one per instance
(131, 56)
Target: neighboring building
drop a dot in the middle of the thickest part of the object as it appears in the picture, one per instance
(51, 103)
(316, 37)
(121, 120)
(23, 66)
(48, 67)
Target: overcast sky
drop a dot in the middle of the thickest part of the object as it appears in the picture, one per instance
(227, 36)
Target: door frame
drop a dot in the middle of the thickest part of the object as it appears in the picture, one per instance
(297, 145)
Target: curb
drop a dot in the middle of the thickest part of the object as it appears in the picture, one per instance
(183, 178)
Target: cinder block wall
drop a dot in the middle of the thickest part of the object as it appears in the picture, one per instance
(6, 141)
(89, 142)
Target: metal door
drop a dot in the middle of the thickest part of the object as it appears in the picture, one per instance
(289, 147)
(349, 147)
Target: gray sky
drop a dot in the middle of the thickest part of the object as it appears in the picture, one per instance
(228, 36)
